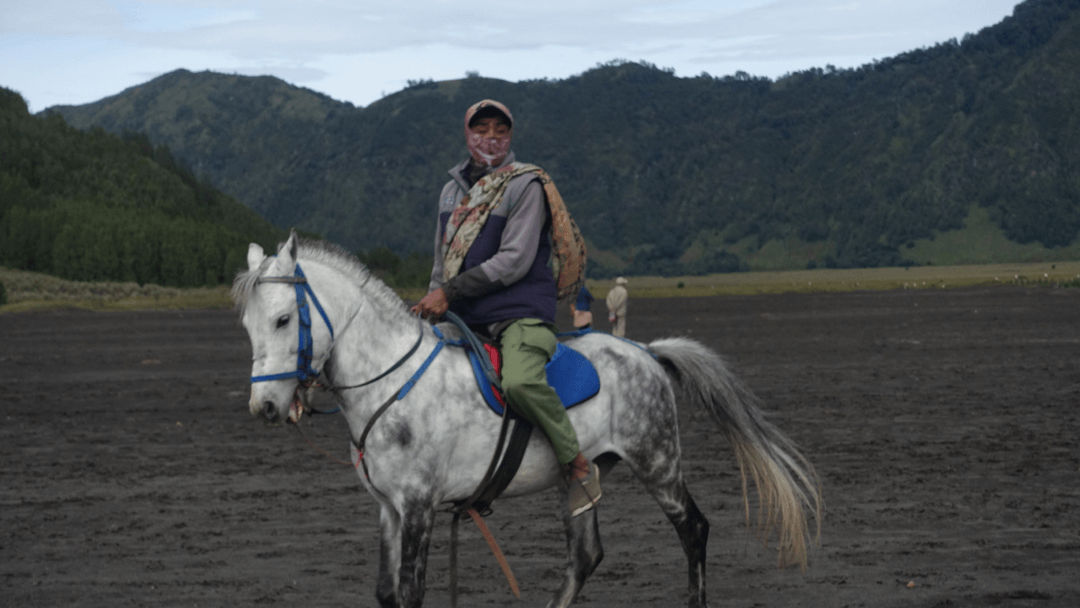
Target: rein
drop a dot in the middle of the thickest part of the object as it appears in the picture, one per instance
(392, 368)
(398, 396)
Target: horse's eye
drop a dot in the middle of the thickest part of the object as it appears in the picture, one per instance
(282, 321)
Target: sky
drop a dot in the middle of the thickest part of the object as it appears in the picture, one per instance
(79, 51)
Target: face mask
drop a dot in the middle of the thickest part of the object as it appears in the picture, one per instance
(488, 151)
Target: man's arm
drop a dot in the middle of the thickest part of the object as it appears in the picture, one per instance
(434, 302)
(437, 265)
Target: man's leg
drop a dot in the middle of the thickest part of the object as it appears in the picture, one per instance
(526, 346)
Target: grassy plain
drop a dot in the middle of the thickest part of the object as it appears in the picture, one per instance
(849, 279)
(34, 291)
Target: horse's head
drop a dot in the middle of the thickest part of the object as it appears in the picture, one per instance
(289, 339)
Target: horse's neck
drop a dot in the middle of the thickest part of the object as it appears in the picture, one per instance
(370, 333)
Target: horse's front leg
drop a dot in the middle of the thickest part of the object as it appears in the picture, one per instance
(416, 524)
(584, 553)
(389, 557)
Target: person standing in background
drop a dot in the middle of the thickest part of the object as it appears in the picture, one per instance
(616, 305)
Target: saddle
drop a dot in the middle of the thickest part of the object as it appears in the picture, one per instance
(573, 377)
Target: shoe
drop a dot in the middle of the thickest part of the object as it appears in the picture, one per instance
(585, 492)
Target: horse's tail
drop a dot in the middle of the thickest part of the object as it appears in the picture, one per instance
(788, 488)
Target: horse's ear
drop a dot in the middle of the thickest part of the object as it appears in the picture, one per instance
(287, 251)
(292, 241)
(255, 256)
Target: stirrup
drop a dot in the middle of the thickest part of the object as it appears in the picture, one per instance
(585, 493)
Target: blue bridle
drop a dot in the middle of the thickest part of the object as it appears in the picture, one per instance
(305, 347)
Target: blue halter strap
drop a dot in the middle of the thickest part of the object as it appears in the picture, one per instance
(305, 345)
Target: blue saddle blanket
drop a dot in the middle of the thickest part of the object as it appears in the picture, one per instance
(573, 377)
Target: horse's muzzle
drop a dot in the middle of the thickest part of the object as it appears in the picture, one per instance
(270, 412)
(264, 409)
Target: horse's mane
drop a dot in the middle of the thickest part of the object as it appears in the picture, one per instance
(330, 255)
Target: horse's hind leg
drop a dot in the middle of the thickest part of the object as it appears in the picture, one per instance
(670, 492)
(693, 530)
(584, 553)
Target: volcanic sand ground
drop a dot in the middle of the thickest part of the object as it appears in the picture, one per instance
(943, 425)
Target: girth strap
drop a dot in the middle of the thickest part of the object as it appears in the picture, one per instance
(494, 483)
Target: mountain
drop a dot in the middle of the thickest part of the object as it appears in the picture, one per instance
(856, 167)
(96, 206)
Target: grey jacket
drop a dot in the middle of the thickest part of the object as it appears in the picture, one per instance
(507, 272)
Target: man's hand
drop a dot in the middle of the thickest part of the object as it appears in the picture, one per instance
(433, 305)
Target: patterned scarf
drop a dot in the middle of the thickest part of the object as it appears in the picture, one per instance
(470, 216)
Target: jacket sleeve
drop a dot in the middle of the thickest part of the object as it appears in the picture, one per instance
(437, 266)
(517, 248)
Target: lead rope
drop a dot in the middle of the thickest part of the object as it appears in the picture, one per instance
(507, 572)
(504, 565)
(479, 520)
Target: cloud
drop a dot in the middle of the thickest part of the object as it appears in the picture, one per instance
(70, 50)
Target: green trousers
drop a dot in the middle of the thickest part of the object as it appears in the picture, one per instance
(526, 346)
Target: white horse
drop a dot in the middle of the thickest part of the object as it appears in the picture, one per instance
(433, 446)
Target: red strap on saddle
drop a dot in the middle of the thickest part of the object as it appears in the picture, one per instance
(496, 358)
(496, 362)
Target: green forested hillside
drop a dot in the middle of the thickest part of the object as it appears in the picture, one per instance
(95, 206)
(672, 175)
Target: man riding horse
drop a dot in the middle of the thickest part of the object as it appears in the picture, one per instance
(493, 254)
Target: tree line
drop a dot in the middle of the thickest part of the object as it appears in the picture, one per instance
(95, 206)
